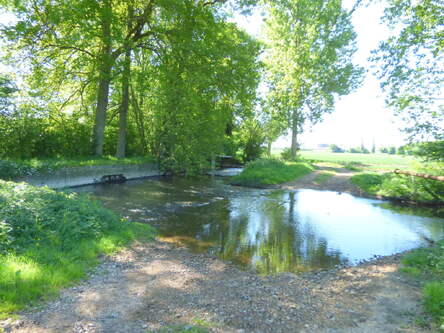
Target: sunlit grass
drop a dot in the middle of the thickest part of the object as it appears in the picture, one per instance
(368, 161)
(50, 239)
(270, 172)
(39, 273)
(427, 266)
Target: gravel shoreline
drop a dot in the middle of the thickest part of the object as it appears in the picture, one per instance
(153, 286)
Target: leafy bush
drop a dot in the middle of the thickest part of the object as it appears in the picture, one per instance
(286, 155)
(368, 182)
(270, 171)
(35, 216)
(49, 239)
(410, 188)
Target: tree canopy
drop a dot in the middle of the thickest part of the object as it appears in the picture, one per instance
(411, 66)
(310, 44)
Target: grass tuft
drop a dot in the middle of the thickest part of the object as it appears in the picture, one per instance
(427, 266)
(265, 172)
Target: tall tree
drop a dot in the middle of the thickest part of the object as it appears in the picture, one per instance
(311, 43)
(412, 65)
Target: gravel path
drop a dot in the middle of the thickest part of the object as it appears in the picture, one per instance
(150, 287)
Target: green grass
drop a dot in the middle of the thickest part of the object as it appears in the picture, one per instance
(49, 239)
(11, 168)
(368, 182)
(265, 172)
(427, 266)
(323, 177)
(365, 161)
(39, 273)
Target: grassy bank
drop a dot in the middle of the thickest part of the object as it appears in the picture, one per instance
(11, 169)
(265, 172)
(50, 239)
(403, 187)
(427, 266)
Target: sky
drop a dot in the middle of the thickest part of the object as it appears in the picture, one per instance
(362, 115)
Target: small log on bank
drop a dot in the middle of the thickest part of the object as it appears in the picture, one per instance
(422, 175)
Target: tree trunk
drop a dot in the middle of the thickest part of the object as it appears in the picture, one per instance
(123, 114)
(269, 148)
(294, 135)
(140, 121)
(105, 67)
(121, 142)
(421, 175)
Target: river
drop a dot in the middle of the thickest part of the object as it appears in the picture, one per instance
(269, 231)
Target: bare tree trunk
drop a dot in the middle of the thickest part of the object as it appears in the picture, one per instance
(294, 134)
(421, 175)
(104, 81)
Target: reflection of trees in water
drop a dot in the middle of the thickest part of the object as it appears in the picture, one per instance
(251, 229)
(269, 237)
(291, 244)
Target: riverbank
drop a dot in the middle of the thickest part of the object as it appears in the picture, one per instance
(156, 286)
(49, 240)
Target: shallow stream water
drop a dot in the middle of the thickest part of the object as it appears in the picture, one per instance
(269, 231)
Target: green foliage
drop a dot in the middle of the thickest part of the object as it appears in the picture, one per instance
(270, 172)
(7, 91)
(359, 150)
(411, 65)
(42, 217)
(286, 155)
(336, 149)
(310, 47)
(434, 299)
(49, 239)
(429, 151)
(192, 73)
(368, 182)
(408, 188)
(427, 264)
(251, 139)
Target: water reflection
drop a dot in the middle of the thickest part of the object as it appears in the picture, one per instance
(268, 230)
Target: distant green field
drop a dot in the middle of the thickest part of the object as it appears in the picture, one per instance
(370, 161)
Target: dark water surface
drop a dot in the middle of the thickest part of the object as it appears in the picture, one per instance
(268, 230)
